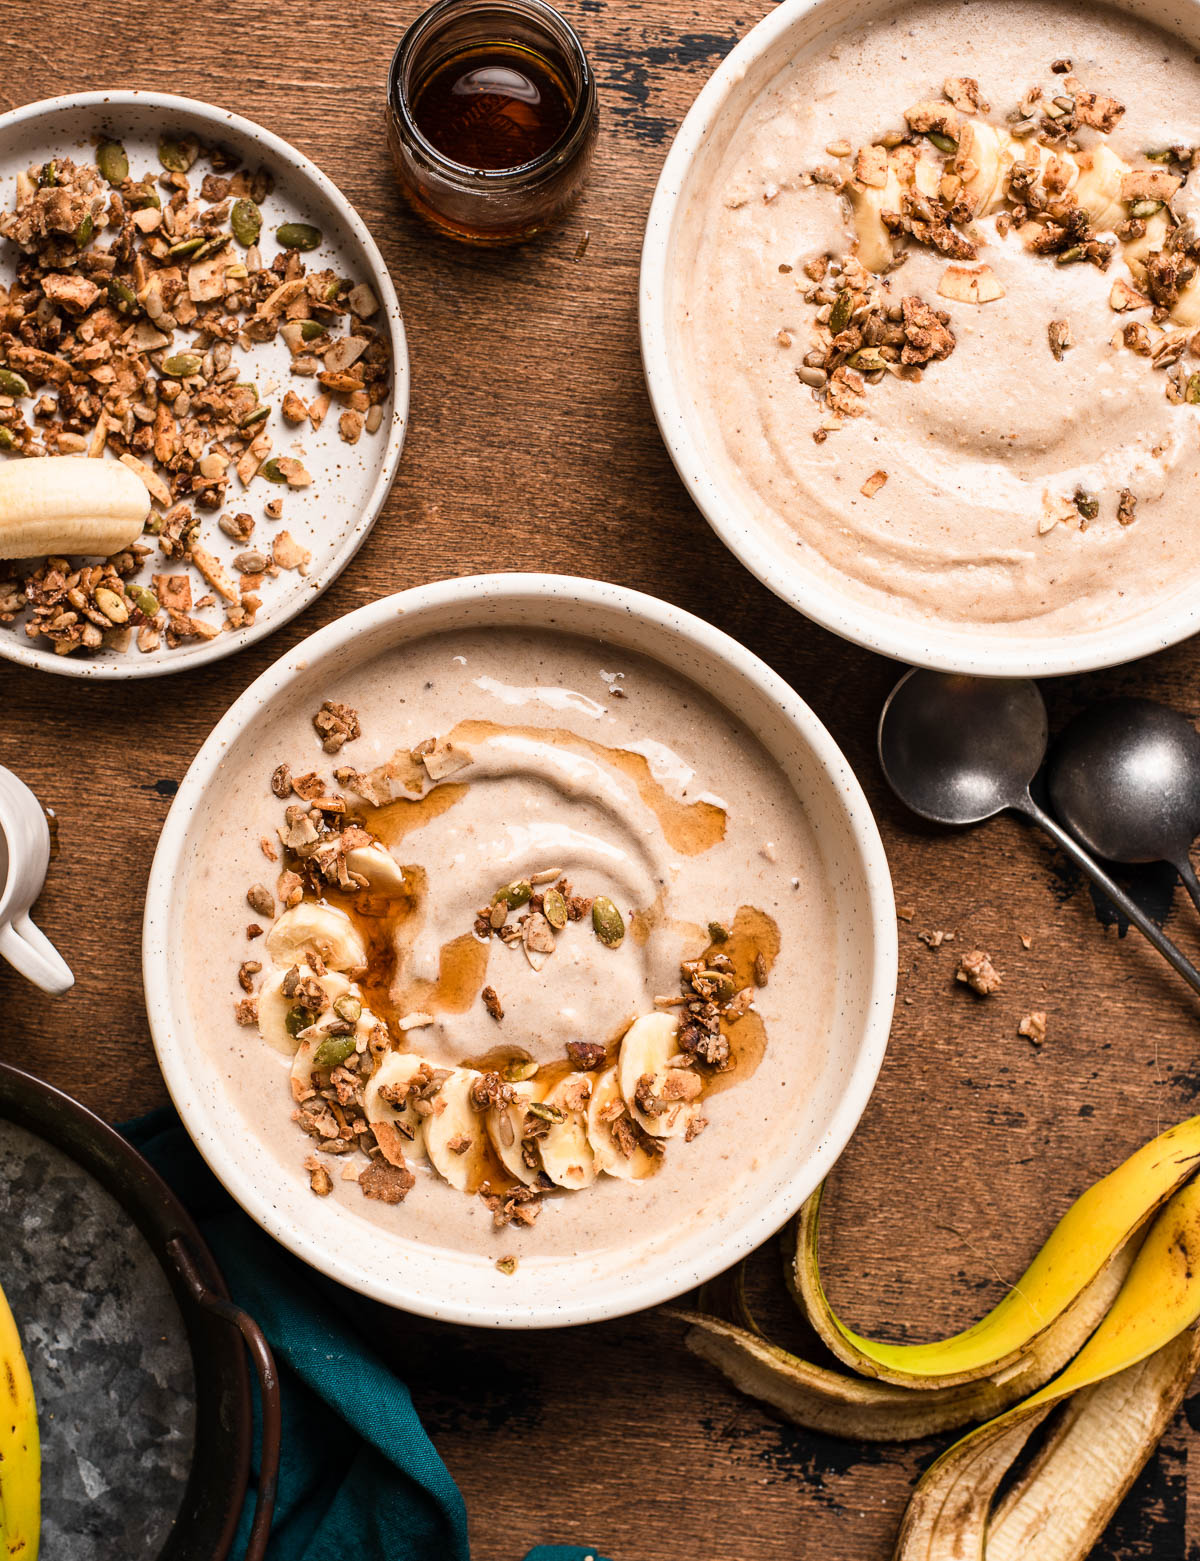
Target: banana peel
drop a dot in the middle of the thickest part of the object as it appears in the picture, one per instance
(947, 1517)
(20, 1448)
(1083, 1244)
(865, 1409)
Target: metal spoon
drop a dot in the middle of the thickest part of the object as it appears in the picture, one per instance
(958, 750)
(1125, 779)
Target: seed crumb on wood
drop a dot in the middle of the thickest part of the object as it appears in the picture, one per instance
(977, 971)
(934, 940)
(1033, 1027)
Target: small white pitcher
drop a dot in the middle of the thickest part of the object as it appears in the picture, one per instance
(24, 857)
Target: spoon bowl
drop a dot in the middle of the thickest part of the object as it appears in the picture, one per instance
(1125, 779)
(958, 750)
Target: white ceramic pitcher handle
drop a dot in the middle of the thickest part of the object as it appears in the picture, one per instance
(30, 951)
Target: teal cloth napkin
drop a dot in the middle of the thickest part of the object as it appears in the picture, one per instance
(358, 1474)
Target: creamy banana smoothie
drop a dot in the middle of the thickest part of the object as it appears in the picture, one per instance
(937, 298)
(514, 937)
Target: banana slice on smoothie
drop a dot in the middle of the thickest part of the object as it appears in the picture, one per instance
(379, 867)
(397, 1068)
(662, 1099)
(274, 1006)
(1098, 188)
(456, 1139)
(867, 203)
(328, 931)
(506, 1129)
(567, 1155)
(610, 1157)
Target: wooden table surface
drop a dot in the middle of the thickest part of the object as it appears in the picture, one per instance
(532, 446)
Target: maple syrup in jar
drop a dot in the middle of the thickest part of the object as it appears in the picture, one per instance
(492, 118)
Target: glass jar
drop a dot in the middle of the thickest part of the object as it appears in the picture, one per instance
(525, 41)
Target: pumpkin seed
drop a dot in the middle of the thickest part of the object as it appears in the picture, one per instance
(507, 1265)
(297, 1019)
(270, 470)
(255, 415)
(554, 908)
(111, 605)
(514, 894)
(1145, 208)
(1192, 393)
(518, 1072)
(333, 288)
(246, 221)
(112, 162)
(181, 365)
(943, 142)
(48, 175)
(607, 921)
(186, 246)
(335, 1050)
(1069, 257)
(717, 933)
(545, 1113)
(869, 359)
(145, 600)
(83, 233)
(298, 235)
(13, 384)
(1087, 505)
(6, 438)
(311, 329)
(144, 194)
(177, 156)
(1163, 155)
(348, 1007)
(122, 297)
(843, 308)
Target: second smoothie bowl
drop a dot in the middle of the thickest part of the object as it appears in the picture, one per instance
(919, 300)
(500, 970)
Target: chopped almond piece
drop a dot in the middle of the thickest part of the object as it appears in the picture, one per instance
(288, 553)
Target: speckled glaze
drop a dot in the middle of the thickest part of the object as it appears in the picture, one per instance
(793, 40)
(376, 1257)
(350, 482)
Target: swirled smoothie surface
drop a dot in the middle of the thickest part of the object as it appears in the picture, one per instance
(545, 947)
(1039, 477)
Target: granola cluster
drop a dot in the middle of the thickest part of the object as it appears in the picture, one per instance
(108, 269)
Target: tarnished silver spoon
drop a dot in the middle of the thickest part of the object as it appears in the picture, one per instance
(1125, 779)
(958, 750)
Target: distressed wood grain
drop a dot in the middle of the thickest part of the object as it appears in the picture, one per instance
(532, 446)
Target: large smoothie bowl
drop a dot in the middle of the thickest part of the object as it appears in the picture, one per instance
(503, 972)
(918, 303)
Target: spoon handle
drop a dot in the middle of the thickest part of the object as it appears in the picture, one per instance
(1117, 895)
(1190, 882)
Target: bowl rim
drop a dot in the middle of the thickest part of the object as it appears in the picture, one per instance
(667, 1280)
(16, 648)
(920, 642)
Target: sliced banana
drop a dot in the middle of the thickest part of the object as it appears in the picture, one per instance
(456, 1139)
(396, 1068)
(379, 867)
(647, 1044)
(867, 203)
(65, 504)
(985, 155)
(274, 1007)
(1157, 228)
(506, 1129)
(609, 1156)
(567, 1155)
(328, 931)
(1098, 188)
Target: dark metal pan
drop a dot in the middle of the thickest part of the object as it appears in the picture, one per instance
(84, 1195)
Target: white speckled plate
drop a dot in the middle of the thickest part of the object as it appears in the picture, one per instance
(350, 482)
(545, 1291)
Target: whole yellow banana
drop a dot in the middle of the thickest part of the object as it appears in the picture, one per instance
(20, 1448)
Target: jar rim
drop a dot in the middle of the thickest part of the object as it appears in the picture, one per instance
(559, 150)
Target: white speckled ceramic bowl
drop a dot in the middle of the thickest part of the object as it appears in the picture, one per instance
(791, 29)
(350, 482)
(544, 1292)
